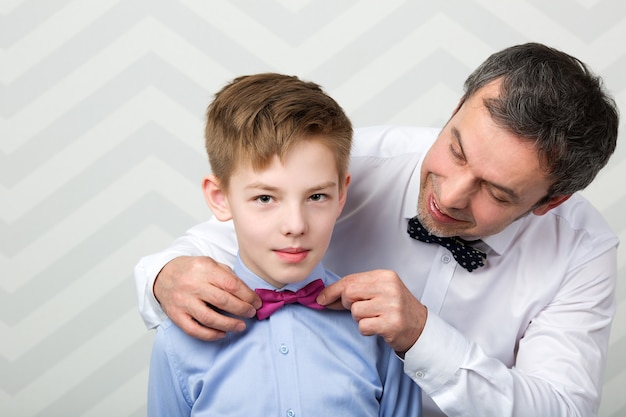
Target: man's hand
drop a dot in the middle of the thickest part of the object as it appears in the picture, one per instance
(189, 286)
(382, 305)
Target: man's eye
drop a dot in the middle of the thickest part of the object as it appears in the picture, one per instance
(455, 153)
(499, 199)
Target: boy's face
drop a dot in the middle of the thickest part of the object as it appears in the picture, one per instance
(284, 215)
(477, 178)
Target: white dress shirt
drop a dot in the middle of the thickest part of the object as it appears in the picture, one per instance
(525, 335)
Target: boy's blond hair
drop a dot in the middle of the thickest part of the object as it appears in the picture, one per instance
(258, 116)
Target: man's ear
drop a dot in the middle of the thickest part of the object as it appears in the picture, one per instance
(216, 199)
(550, 204)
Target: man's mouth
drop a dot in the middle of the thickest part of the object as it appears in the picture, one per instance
(438, 214)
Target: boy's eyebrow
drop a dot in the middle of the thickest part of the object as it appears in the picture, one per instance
(267, 187)
(260, 185)
(508, 191)
(323, 186)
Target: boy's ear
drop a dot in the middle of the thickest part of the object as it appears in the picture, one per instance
(216, 198)
(550, 204)
(344, 193)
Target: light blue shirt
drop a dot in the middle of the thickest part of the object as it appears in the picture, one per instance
(299, 362)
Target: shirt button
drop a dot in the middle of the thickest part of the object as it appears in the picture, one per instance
(291, 413)
(284, 349)
(419, 374)
(446, 259)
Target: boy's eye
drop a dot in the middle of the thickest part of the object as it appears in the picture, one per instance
(317, 197)
(264, 199)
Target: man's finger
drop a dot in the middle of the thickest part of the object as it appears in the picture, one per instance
(337, 305)
(331, 295)
(216, 320)
(231, 303)
(194, 329)
(231, 284)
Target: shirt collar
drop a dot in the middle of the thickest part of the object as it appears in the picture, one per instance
(501, 241)
(254, 281)
(412, 191)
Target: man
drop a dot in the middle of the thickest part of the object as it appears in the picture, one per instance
(524, 334)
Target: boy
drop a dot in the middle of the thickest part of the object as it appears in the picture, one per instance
(279, 150)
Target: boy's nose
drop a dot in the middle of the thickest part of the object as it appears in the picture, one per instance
(293, 222)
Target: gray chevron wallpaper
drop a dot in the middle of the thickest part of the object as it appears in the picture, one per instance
(101, 149)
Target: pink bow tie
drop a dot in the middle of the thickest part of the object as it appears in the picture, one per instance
(273, 300)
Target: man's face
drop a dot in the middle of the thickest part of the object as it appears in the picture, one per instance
(477, 178)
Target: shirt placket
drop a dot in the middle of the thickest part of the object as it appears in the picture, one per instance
(285, 363)
(439, 280)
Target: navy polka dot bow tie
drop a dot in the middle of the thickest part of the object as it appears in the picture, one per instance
(465, 255)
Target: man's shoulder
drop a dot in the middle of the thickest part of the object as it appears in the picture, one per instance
(579, 214)
(389, 141)
(582, 222)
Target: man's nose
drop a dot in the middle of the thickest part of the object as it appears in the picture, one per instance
(455, 192)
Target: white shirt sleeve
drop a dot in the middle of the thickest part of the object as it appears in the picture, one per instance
(559, 364)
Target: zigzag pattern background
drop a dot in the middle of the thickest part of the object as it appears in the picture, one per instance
(101, 150)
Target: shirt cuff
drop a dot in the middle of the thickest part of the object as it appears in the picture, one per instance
(437, 355)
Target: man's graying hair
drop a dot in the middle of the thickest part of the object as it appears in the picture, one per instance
(552, 99)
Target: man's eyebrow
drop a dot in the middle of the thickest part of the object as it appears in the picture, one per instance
(457, 136)
(508, 191)
(512, 194)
